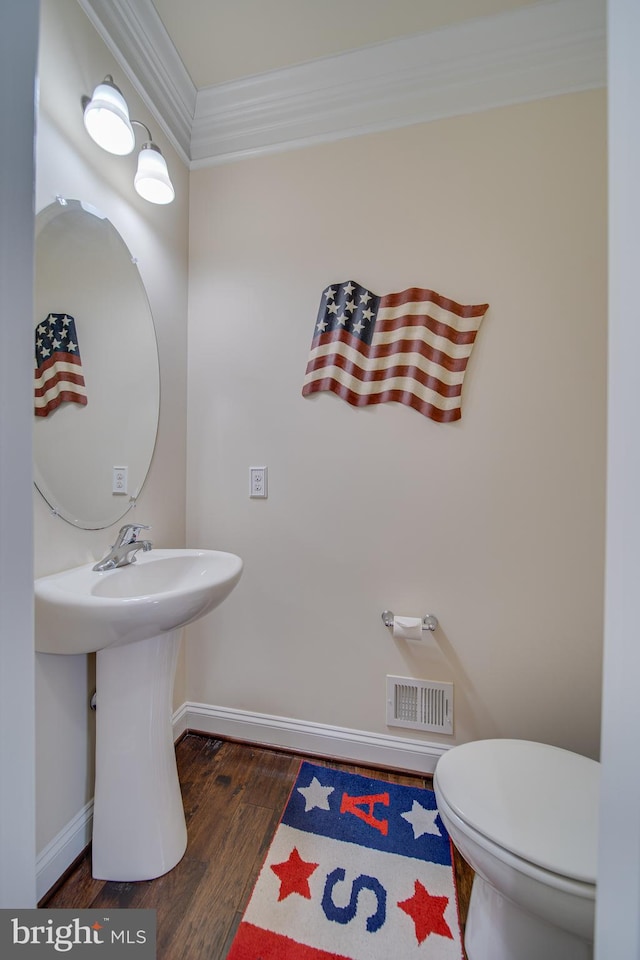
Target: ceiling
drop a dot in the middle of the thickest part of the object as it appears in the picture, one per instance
(222, 40)
(229, 79)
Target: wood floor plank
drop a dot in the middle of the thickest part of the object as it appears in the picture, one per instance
(195, 761)
(222, 894)
(172, 896)
(121, 895)
(393, 776)
(234, 795)
(272, 777)
(233, 929)
(232, 775)
(77, 890)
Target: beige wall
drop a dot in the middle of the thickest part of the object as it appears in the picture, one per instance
(72, 61)
(495, 523)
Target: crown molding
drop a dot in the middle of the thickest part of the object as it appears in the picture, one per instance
(136, 36)
(534, 52)
(542, 50)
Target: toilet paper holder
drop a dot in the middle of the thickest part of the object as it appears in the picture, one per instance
(429, 622)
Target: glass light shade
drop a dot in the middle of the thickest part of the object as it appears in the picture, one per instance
(106, 119)
(152, 177)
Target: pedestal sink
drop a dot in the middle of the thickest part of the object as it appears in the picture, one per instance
(132, 617)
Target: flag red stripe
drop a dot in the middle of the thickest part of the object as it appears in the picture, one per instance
(58, 357)
(453, 364)
(62, 397)
(398, 370)
(342, 336)
(416, 294)
(381, 350)
(425, 321)
(57, 377)
(400, 396)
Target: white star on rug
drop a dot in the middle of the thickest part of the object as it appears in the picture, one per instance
(422, 820)
(315, 795)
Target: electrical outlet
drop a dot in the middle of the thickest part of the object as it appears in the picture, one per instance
(258, 482)
(120, 480)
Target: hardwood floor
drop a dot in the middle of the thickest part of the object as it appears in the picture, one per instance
(234, 795)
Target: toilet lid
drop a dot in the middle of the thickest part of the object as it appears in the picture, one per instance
(536, 801)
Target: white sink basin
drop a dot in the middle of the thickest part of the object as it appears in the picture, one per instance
(80, 611)
(131, 616)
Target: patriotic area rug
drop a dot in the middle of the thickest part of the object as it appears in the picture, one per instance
(359, 869)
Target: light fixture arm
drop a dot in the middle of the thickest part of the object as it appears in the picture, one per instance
(144, 127)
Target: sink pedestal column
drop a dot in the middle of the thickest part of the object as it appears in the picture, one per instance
(139, 829)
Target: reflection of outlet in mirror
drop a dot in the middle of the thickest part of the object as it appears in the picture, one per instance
(119, 480)
(258, 477)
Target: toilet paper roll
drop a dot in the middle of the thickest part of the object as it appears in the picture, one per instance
(407, 628)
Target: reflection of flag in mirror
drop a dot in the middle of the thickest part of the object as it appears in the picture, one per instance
(58, 373)
(411, 347)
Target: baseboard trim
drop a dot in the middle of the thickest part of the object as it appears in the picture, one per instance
(317, 739)
(66, 846)
(301, 736)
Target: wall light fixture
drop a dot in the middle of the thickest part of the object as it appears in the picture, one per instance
(106, 120)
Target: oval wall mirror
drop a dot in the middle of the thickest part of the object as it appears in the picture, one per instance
(94, 441)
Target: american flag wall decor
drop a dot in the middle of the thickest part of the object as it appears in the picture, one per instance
(410, 347)
(58, 372)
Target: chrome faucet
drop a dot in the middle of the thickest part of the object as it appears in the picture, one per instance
(125, 548)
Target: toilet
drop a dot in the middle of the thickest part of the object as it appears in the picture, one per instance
(524, 817)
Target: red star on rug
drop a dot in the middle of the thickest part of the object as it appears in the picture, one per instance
(427, 912)
(294, 875)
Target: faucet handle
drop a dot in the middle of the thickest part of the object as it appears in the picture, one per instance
(129, 532)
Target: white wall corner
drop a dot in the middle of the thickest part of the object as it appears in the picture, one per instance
(618, 879)
(180, 724)
(18, 56)
(315, 739)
